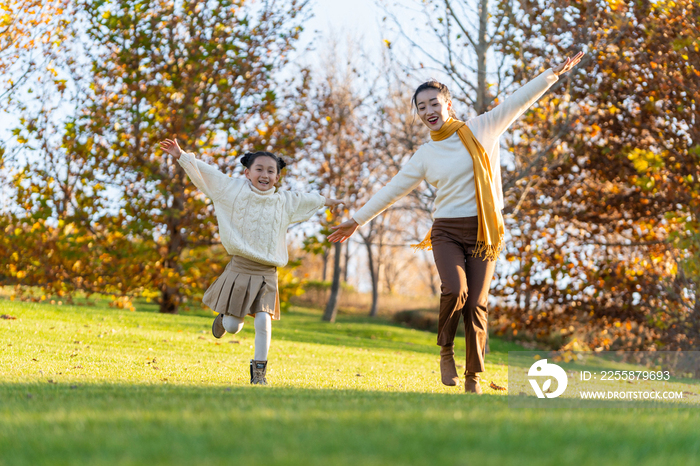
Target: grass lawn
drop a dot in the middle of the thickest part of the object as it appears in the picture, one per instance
(93, 385)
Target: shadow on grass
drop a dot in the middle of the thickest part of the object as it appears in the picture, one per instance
(184, 424)
(372, 333)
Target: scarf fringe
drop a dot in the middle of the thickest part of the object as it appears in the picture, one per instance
(490, 252)
(425, 245)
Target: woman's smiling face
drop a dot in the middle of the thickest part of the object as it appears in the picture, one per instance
(263, 173)
(433, 109)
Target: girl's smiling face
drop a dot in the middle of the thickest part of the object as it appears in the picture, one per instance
(433, 109)
(263, 173)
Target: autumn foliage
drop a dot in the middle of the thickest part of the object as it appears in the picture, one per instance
(605, 233)
(602, 189)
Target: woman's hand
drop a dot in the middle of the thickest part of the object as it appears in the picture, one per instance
(568, 64)
(343, 231)
(171, 147)
(332, 202)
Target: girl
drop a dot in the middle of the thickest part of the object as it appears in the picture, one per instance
(462, 161)
(253, 218)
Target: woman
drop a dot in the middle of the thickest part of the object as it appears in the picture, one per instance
(462, 161)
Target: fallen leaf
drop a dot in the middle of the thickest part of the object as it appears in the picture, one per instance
(496, 387)
(359, 375)
(690, 393)
(34, 359)
(8, 317)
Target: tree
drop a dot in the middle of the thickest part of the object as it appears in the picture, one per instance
(469, 43)
(394, 135)
(30, 33)
(604, 244)
(204, 72)
(337, 145)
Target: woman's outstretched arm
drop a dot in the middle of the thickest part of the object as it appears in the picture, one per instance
(492, 124)
(405, 181)
(171, 147)
(568, 64)
(343, 231)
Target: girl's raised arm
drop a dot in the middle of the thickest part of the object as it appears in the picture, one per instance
(205, 177)
(171, 147)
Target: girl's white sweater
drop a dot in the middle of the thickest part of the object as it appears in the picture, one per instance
(252, 223)
(447, 165)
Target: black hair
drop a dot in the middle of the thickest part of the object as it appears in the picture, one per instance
(249, 157)
(442, 90)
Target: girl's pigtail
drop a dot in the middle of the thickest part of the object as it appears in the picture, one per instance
(249, 157)
(245, 160)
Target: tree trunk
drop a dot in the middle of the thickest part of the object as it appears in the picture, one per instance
(169, 300)
(332, 306)
(325, 264)
(373, 276)
(345, 265)
(170, 295)
(482, 48)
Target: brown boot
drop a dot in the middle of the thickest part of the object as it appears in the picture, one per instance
(471, 383)
(448, 371)
(257, 372)
(217, 327)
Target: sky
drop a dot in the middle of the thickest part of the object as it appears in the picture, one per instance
(357, 17)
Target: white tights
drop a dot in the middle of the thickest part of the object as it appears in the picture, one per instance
(263, 332)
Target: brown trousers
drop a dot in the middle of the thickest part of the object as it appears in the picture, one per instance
(465, 283)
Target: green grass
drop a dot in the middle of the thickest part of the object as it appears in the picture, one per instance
(81, 385)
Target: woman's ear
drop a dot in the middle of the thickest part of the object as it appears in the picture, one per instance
(246, 172)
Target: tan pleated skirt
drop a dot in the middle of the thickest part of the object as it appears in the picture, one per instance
(244, 288)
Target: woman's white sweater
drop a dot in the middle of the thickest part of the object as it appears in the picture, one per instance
(447, 165)
(252, 223)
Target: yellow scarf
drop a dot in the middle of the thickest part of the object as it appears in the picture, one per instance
(491, 230)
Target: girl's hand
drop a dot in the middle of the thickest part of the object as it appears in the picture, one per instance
(568, 64)
(171, 147)
(343, 231)
(332, 202)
